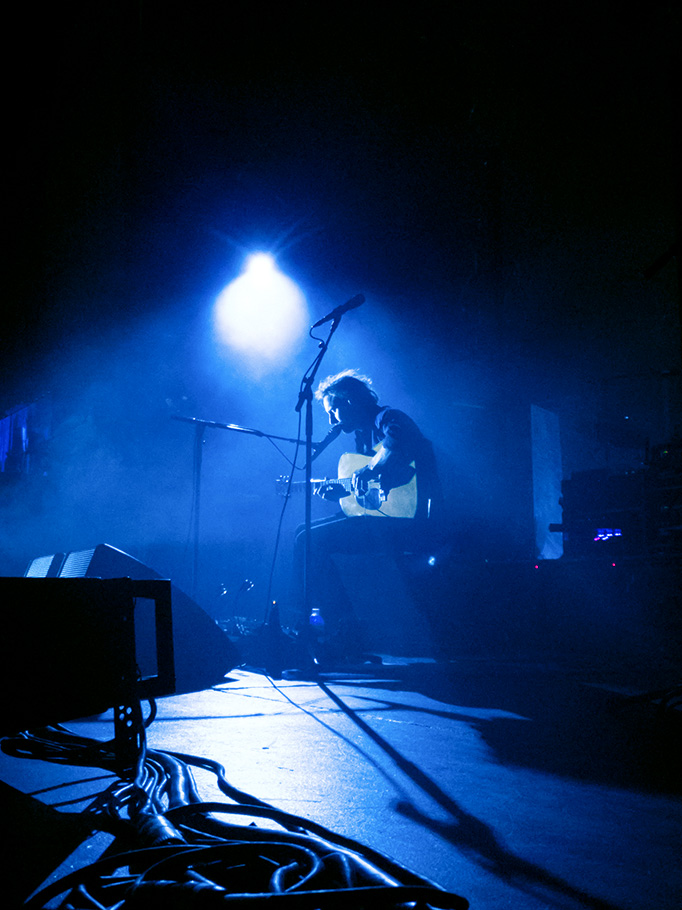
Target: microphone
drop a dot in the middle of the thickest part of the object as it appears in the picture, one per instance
(330, 437)
(351, 304)
(319, 447)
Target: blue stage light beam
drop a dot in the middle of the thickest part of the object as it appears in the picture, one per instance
(262, 314)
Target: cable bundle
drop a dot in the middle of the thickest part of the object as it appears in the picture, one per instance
(191, 854)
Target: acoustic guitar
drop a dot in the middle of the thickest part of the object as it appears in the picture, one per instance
(399, 502)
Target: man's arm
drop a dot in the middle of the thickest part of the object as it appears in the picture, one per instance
(400, 438)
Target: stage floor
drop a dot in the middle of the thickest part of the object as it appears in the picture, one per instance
(525, 784)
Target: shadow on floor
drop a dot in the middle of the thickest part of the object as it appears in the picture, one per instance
(573, 727)
(472, 836)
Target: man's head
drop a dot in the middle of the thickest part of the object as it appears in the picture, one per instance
(348, 399)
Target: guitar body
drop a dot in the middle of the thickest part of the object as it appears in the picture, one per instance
(401, 501)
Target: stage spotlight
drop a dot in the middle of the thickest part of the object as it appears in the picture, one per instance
(261, 314)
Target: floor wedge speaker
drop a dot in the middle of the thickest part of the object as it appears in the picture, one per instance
(203, 652)
(68, 648)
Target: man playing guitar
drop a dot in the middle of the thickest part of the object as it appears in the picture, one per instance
(388, 491)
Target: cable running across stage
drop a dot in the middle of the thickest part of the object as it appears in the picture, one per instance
(189, 854)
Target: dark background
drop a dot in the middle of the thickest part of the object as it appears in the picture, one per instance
(499, 180)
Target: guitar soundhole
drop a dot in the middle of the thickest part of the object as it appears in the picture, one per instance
(372, 499)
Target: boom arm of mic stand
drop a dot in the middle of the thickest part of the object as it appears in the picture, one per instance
(231, 426)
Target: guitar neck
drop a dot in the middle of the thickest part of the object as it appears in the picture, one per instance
(343, 482)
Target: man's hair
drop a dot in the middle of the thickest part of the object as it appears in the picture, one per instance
(348, 383)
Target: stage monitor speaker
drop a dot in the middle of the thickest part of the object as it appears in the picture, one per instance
(68, 648)
(45, 566)
(203, 652)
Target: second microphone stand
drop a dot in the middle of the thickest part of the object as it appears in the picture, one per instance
(200, 427)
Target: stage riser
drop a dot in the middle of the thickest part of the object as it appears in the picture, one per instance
(560, 607)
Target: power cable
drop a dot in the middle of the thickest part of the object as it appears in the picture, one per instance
(189, 856)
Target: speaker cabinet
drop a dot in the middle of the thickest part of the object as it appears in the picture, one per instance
(203, 653)
(68, 647)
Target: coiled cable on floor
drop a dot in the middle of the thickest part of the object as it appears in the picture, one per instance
(194, 855)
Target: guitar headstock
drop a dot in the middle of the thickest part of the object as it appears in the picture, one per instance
(283, 485)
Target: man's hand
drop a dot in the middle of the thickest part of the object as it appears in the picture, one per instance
(361, 479)
(368, 494)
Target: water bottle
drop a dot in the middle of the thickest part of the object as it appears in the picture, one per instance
(316, 633)
(316, 622)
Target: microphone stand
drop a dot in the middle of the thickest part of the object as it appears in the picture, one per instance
(305, 397)
(200, 430)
